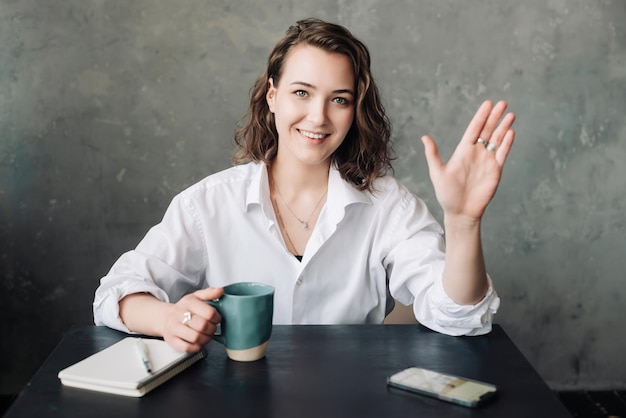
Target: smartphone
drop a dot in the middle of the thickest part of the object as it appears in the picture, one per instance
(446, 387)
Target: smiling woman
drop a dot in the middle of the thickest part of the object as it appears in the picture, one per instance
(366, 152)
(313, 110)
(310, 209)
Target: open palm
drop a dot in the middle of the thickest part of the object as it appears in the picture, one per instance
(467, 183)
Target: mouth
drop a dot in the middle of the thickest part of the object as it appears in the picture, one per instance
(313, 135)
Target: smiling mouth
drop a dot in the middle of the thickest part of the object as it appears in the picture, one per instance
(312, 135)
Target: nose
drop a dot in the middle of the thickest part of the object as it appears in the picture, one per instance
(318, 112)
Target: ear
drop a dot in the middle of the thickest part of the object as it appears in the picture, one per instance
(271, 94)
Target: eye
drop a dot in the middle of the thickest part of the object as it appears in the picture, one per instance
(341, 100)
(300, 93)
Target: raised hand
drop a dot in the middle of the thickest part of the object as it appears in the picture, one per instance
(467, 183)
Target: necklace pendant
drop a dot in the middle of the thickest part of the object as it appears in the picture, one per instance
(305, 225)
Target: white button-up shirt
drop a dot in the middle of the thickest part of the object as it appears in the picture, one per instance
(366, 249)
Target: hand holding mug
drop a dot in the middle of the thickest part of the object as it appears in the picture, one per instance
(192, 322)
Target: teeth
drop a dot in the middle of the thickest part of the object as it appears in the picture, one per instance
(312, 135)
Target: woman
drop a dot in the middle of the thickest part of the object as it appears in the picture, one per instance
(310, 210)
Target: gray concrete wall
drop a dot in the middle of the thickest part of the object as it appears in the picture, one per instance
(109, 108)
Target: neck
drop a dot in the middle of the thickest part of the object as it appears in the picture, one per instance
(297, 197)
(295, 179)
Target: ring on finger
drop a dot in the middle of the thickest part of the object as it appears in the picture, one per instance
(491, 147)
(186, 318)
(482, 141)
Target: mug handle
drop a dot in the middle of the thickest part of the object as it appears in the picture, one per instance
(216, 304)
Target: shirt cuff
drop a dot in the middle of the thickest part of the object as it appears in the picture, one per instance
(453, 319)
(106, 309)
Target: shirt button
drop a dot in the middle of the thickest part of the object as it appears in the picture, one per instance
(299, 282)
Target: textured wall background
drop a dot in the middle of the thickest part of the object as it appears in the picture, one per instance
(107, 109)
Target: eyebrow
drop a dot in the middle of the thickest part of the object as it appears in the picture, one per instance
(338, 91)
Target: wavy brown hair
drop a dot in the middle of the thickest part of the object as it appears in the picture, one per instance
(366, 153)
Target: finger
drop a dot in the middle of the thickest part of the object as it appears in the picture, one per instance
(192, 310)
(431, 151)
(209, 293)
(195, 303)
(177, 343)
(205, 310)
(201, 324)
(203, 317)
(475, 126)
(505, 125)
(196, 331)
(488, 128)
(184, 346)
(183, 337)
(505, 147)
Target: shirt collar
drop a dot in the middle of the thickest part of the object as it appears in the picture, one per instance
(341, 194)
(258, 188)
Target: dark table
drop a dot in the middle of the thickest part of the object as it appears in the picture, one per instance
(309, 371)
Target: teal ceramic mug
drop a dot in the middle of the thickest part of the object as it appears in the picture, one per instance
(247, 309)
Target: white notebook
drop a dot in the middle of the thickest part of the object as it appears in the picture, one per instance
(119, 368)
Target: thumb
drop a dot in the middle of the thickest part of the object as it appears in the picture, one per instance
(209, 293)
(431, 151)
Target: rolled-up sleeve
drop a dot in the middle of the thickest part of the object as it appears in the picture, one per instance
(114, 287)
(448, 317)
(168, 263)
(415, 264)
(433, 307)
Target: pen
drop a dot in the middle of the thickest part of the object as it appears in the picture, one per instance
(142, 348)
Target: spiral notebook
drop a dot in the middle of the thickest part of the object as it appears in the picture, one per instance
(119, 369)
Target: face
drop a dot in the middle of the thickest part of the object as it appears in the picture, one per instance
(313, 105)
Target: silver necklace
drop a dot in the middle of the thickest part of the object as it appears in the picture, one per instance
(282, 225)
(305, 224)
